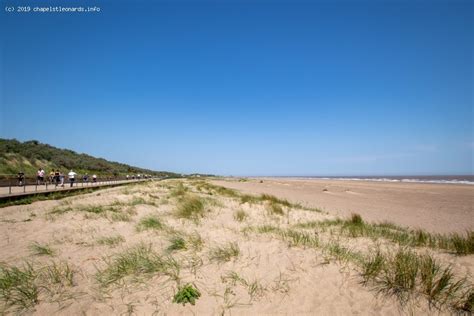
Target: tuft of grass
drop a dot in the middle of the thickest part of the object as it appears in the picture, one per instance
(138, 261)
(41, 250)
(177, 243)
(463, 245)
(187, 294)
(398, 276)
(254, 288)
(179, 191)
(20, 287)
(195, 241)
(356, 219)
(372, 266)
(57, 275)
(240, 215)
(111, 241)
(17, 287)
(191, 207)
(437, 283)
(224, 253)
(150, 222)
(274, 208)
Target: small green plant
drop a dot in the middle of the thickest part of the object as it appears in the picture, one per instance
(224, 253)
(41, 250)
(240, 215)
(187, 294)
(177, 243)
(150, 222)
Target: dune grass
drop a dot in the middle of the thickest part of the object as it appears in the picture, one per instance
(240, 215)
(136, 262)
(275, 208)
(190, 207)
(41, 250)
(20, 287)
(357, 227)
(111, 241)
(17, 287)
(224, 253)
(150, 222)
(179, 190)
(177, 243)
(404, 274)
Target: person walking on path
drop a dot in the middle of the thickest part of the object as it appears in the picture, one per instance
(51, 177)
(61, 179)
(71, 176)
(85, 178)
(94, 178)
(41, 175)
(57, 177)
(21, 178)
(38, 177)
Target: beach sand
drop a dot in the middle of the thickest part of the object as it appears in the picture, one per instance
(271, 274)
(441, 208)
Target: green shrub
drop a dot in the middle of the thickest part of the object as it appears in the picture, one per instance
(187, 294)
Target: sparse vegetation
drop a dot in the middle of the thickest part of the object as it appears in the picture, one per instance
(150, 222)
(177, 243)
(136, 262)
(111, 241)
(240, 215)
(41, 250)
(275, 209)
(224, 253)
(20, 287)
(357, 227)
(191, 207)
(17, 287)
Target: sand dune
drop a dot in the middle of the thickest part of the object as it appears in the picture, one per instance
(442, 208)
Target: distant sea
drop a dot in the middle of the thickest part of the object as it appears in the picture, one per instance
(454, 179)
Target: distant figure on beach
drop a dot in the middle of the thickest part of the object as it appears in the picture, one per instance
(94, 178)
(85, 178)
(21, 178)
(72, 178)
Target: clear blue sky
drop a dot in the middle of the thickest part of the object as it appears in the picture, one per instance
(247, 87)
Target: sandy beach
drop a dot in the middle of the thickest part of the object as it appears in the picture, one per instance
(442, 208)
(131, 249)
